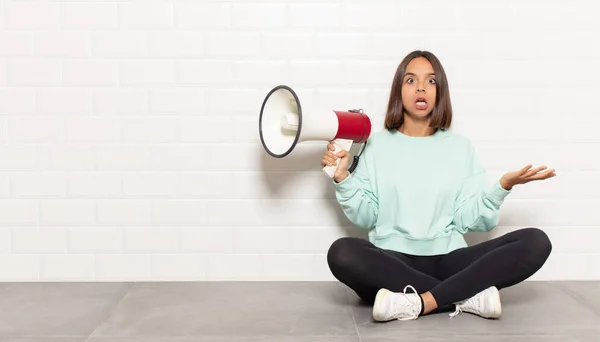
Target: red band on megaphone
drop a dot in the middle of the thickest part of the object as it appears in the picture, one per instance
(353, 126)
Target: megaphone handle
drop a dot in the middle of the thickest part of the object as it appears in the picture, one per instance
(338, 144)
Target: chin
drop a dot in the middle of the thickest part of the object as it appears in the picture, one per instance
(420, 114)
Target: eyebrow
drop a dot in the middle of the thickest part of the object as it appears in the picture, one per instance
(413, 74)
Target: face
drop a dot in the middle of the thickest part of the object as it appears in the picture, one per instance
(419, 88)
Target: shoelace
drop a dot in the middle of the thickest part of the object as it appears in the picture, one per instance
(398, 305)
(456, 313)
(473, 301)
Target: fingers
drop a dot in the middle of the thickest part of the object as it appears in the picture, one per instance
(329, 159)
(535, 171)
(343, 153)
(538, 175)
(524, 169)
(543, 175)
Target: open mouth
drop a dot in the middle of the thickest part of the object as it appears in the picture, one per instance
(421, 103)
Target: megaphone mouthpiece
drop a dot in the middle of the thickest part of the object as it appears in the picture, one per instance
(289, 122)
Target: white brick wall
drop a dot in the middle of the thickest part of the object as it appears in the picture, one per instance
(129, 141)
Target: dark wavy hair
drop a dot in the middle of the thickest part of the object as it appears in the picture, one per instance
(441, 116)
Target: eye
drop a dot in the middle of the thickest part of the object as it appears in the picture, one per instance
(409, 80)
(432, 81)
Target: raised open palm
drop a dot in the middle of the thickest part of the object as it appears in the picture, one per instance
(525, 175)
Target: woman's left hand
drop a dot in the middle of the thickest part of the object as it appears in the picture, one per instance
(526, 175)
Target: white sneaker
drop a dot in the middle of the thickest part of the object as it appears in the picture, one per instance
(485, 304)
(396, 306)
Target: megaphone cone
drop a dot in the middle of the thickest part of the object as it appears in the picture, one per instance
(283, 124)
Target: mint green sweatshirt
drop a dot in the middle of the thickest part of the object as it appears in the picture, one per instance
(419, 195)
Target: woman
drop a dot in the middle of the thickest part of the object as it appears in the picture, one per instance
(417, 189)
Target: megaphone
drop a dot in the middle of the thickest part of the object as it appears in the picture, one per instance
(283, 124)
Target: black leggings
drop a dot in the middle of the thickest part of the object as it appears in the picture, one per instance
(458, 275)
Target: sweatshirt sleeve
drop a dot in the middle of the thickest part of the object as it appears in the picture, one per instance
(477, 206)
(356, 196)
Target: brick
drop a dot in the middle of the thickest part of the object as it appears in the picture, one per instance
(18, 157)
(177, 101)
(119, 44)
(231, 267)
(202, 15)
(67, 267)
(133, 212)
(150, 184)
(279, 213)
(232, 44)
(147, 72)
(90, 73)
(122, 267)
(20, 267)
(178, 267)
(5, 187)
(31, 15)
(39, 240)
(5, 240)
(259, 15)
(179, 157)
(98, 240)
(33, 72)
(149, 129)
(288, 43)
(38, 184)
(92, 129)
(64, 101)
(204, 239)
(206, 130)
(67, 212)
(242, 101)
(89, 15)
(121, 101)
(65, 157)
(176, 44)
(94, 184)
(308, 72)
(151, 239)
(17, 43)
(20, 101)
(33, 129)
(264, 73)
(179, 212)
(343, 45)
(62, 44)
(145, 15)
(312, 15)
(550, 211)
(377, 16)
(204, 72)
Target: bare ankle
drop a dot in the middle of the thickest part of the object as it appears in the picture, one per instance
(429, 303)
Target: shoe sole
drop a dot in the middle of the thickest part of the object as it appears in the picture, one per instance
(497, 303)
(378, 299)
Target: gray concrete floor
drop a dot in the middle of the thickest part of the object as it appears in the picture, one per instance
(282, 312)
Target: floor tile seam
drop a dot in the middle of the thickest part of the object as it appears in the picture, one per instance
(112, 311)
(575, 296)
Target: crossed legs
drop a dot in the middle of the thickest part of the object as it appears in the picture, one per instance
(441, 280)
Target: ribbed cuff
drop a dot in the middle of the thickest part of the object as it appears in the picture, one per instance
(498, 193)
(346, 186)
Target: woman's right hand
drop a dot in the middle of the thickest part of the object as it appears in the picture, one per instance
(330, 158)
